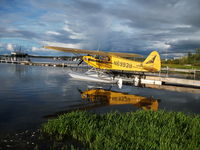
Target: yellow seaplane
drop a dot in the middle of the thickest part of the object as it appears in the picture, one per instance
(101, 97)
(106, 63)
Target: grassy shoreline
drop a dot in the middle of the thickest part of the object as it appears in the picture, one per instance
(133, 130)
(180, 66)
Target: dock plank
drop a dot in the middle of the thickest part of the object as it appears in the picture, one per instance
(175, 80)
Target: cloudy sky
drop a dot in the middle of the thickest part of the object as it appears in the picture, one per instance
(171, 27)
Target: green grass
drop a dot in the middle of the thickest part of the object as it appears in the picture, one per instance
(134, 130)
(179, 66)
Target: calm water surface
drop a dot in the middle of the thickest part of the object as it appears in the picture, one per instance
(29, 94)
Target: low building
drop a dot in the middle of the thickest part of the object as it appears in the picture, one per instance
(19, 56)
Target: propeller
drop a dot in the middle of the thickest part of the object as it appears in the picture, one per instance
(80, 90)
(80, 62)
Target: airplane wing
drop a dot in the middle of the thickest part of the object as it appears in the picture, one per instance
(92, 52)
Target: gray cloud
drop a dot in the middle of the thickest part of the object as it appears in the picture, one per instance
(5, 33)
(132, 26)
(88, 6)
(184, 45)
(63, 37)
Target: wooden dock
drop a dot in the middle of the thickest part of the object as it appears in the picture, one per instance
(174, 81)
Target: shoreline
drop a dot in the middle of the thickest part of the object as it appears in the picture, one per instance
(80, 129)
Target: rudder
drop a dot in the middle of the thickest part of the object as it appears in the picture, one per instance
(152, 62)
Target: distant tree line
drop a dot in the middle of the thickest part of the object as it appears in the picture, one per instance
(192, 59)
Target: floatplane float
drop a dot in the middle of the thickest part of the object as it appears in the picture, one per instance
(96, 77)
(111, 67)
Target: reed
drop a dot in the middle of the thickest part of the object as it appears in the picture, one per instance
(131, 130)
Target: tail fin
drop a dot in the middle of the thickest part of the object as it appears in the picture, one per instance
(152, 62)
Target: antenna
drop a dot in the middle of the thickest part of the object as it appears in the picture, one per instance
(99, 45)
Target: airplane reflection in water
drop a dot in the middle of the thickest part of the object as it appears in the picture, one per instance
(98, 97)
(109, 97)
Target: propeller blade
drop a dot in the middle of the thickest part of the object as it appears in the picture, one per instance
(79, 90)
(80, 62)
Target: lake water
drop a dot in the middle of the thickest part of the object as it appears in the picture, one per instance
(30, 94)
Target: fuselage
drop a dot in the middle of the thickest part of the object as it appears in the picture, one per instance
(118, 63)
(114, 63)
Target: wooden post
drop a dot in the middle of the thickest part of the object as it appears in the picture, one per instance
(167, 70)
